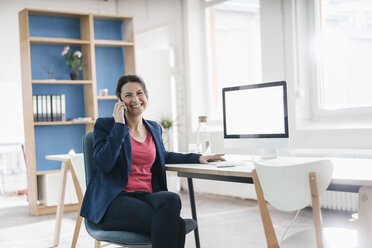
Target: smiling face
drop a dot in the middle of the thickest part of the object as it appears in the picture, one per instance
(134, 97)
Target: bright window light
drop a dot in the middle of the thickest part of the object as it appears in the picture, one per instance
(234, 47)
(346, 46)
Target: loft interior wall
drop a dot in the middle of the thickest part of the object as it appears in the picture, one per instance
(148, 15)
(11, 110)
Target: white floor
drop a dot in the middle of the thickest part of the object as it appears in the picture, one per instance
(223, 222)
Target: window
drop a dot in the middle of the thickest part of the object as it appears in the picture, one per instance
(346, 54)
(234, 47)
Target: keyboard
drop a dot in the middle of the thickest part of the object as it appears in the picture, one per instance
(222, 164)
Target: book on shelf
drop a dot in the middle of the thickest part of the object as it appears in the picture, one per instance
(39, 108)
(44, 106)
(54, 108)
(63, 107)
(34, 107)
(48, 108)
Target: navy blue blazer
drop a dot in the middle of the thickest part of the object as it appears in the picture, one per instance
(112, 159)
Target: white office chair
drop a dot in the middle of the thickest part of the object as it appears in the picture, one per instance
(82, 170)
(292, 185)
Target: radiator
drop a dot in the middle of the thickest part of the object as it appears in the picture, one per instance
(343, 201)
(335, 200)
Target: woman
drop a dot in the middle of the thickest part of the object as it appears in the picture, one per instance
(128, 191)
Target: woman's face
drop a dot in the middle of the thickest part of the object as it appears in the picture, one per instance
(134, 97)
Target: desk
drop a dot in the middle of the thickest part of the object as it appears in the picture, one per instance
(350, 175)
(65, 167)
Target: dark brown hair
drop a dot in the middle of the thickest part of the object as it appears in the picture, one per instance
(129, 79)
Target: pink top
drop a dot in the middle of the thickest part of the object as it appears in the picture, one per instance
(143, 156)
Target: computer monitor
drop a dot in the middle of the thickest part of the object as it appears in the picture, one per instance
(256, 116)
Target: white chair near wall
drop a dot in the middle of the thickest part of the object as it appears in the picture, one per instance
(290, 186)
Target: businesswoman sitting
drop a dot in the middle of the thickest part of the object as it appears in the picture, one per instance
(128, 191)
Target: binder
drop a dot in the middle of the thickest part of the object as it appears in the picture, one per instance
(34, 107)
(44, 110)
(48, 108)
(63, 107)
(58, 113)
(54, 108)
(39, 108)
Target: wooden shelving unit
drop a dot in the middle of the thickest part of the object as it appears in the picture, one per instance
(49, 123)
(42, 40)
(106, 98)
(107, 45)
(52, 81)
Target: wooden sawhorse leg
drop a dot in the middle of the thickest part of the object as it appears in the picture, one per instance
(61, 200)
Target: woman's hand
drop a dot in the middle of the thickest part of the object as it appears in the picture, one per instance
(119, 111)
(204, 159)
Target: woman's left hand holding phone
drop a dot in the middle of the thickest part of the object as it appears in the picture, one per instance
(119, 112)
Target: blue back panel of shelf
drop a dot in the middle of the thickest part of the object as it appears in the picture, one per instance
(108, 29)
(56, 139)
(74, 96)
(54, 27)
(44, 56)
(109, 67)
(106, 107)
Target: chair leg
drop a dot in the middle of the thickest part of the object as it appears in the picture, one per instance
(79, 219)
(97, 244)
(317, 214)
(272, 241)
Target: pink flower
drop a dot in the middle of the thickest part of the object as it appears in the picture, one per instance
(65, 51)
(78, 54)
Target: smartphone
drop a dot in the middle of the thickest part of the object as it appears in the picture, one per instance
(125, 119)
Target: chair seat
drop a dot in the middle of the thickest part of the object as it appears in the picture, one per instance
(117, 237)
(333, 238)
(124, 237)
(190, 225)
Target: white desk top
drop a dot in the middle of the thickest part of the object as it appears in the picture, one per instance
(347, 171)
(58, 157)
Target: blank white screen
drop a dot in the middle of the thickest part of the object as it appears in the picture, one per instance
(255, 111)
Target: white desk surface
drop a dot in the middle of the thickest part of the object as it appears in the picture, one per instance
(58, 157)
(347, 171)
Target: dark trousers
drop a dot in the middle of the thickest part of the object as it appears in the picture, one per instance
(156, 214)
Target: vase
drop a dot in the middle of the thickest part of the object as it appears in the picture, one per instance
(74, 75)
(166, 139)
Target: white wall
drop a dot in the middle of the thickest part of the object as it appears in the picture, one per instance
(11, 108)
(148, 16)
(174, 27)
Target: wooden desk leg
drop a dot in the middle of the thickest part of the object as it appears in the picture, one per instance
(60, 204)
(193, 210)
(365, 217)
(79, 219)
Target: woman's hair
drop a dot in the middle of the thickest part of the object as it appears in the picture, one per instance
(129, 79)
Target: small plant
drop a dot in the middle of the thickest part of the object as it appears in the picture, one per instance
(166, 123)
(73, 60)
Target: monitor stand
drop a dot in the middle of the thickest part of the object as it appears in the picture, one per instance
(269, 153)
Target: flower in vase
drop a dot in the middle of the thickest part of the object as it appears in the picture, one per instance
(73, 60)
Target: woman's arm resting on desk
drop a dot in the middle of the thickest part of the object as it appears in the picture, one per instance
(204, 159)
